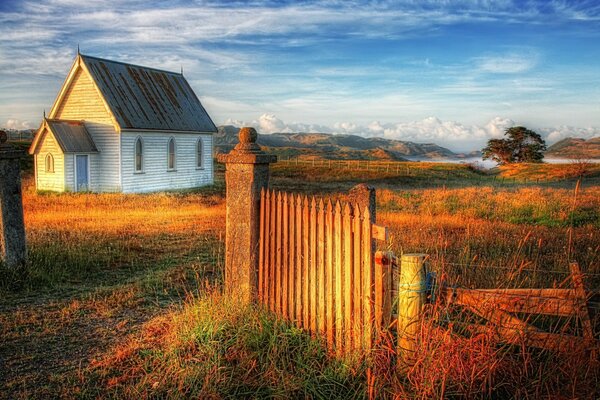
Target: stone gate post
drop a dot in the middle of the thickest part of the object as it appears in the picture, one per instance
(12, 243)
(247, 172)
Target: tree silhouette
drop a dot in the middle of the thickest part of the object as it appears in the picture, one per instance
(520, 145)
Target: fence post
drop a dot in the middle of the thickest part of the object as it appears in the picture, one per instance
(246, 173)
(364, 196)
(411, 299)
(13, 247)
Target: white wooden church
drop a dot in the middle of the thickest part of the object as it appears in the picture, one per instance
(117, 127)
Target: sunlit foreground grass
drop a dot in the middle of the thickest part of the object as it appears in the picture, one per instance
(212, 348)
(123, 300)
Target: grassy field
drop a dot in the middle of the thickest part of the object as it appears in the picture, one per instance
(122, 298)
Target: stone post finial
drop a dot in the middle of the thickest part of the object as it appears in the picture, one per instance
(248, 135)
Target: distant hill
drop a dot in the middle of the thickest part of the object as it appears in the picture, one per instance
(333, 146)
(575, 148)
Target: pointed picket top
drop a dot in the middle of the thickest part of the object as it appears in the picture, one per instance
(329, 205)
(305, 202)
(347, 209)
(338, 207)
(321, 205)
(313, 204)
(298, 200)
(357, 214)
(367, 214)
(285, 198)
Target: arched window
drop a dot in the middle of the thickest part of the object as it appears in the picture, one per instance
(199, 156)
(49, 163)
(139, 155)
(171, 154)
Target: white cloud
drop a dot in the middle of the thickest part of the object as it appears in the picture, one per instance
(454, 135)
(509, 63)
(13, 123)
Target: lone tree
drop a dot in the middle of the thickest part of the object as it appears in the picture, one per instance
(521, 145)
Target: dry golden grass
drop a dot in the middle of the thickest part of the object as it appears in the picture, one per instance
(120, 301)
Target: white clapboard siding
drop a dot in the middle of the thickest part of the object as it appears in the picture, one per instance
(155, 176)
(50, 180)
(82, 101)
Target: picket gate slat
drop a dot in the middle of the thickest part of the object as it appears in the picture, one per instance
(305, 264)
(292, 258)
(298, 266)
(339, 279)
(261, 249)
(313, 265)
(367, 281)
(278, 239)
(273, 250)
(285, 226)
(329, 275)
(348, 276)
(358, 286)
(321, 266)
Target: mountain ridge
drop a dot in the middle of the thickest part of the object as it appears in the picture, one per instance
(329, 146)
(572, 147)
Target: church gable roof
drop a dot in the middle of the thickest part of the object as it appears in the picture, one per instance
(147, 98)
(72, 136)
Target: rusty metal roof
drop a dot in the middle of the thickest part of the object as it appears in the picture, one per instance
(147, 98)
(72, 136)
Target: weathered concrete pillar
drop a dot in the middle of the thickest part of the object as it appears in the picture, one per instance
(247, 172)
(12, 243)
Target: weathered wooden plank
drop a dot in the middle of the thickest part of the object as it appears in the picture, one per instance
(358, 286)
(380, 232)
(339, 279)
(329, 276)
(278, 261)
(305, 264)
(388, 294)
(273, 250)
(543, 340)
(298, 273)
(284, 258)
(321, 266)
(261, 249)
(518, 303)
(292, 259)
(348, 271)
(367, 268)
(313, 265)
(378, 290)
(567, 294)
(498, 317)
(583, 311)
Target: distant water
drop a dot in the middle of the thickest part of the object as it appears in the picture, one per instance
(487, 164)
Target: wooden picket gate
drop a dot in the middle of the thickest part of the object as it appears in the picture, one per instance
(317, 269)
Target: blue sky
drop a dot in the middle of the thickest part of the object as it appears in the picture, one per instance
(451, 72)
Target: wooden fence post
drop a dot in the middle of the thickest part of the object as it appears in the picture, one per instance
(411, 299)
(247, 173)
(13, 248)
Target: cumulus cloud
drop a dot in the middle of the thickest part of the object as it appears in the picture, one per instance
(13, 123)
(452, 134)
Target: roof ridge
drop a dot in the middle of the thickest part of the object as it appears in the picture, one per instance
(131, 65)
